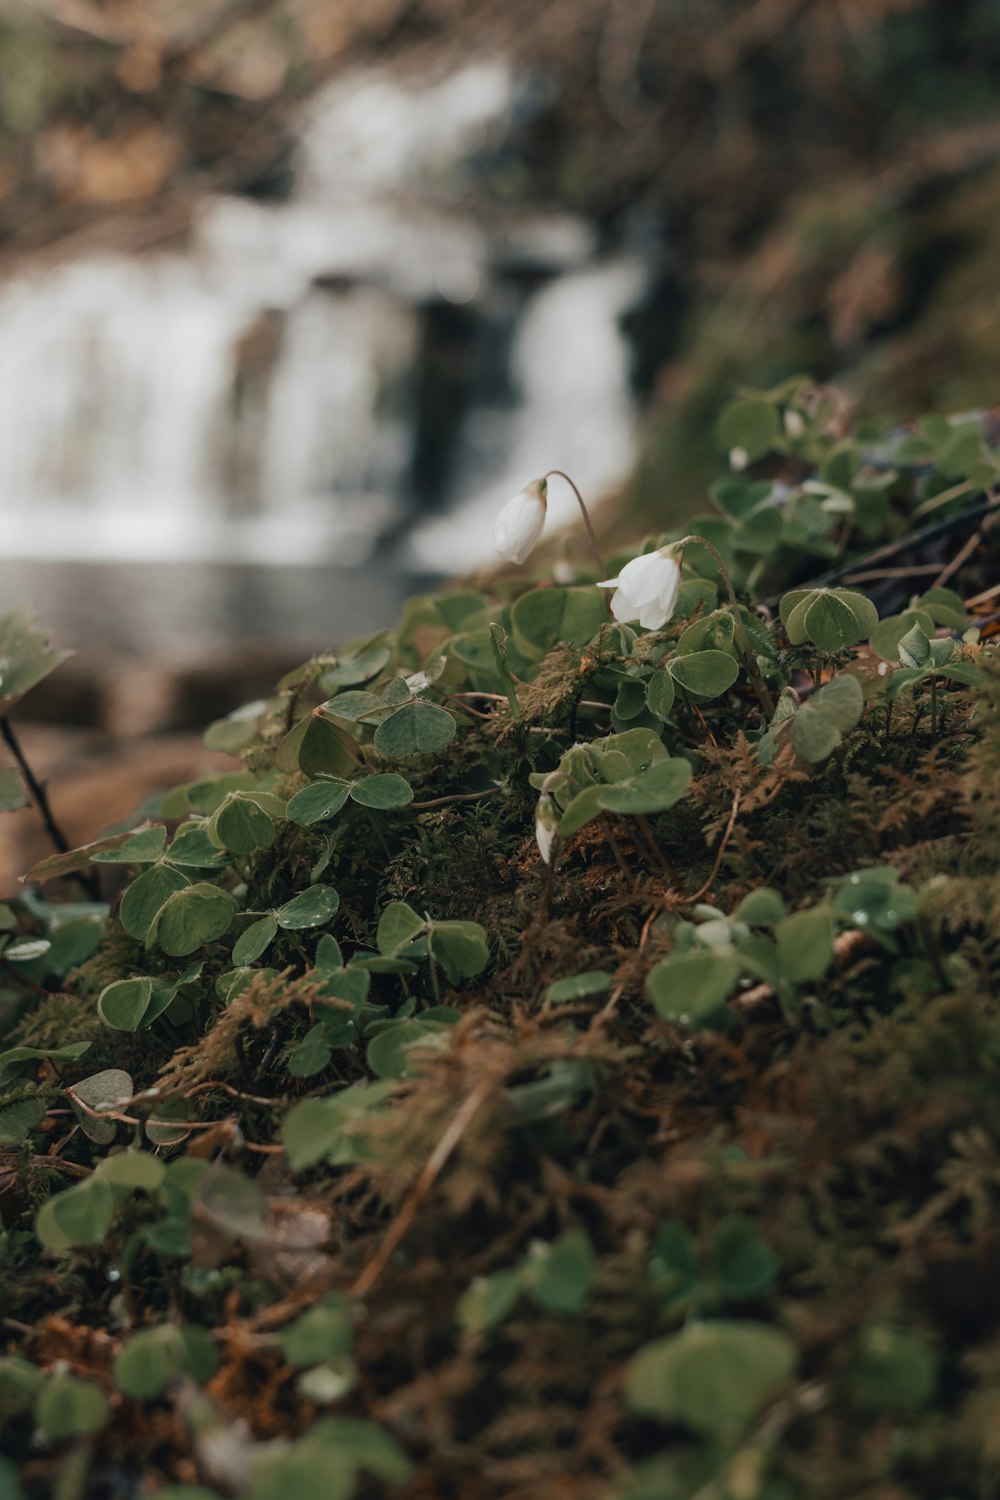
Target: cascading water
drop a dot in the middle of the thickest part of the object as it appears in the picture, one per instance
(371, 361)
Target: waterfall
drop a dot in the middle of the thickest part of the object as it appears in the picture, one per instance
(264, 395)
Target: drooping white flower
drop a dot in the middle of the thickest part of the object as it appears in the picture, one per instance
(519, 525)
(646, 589)
(546, 827)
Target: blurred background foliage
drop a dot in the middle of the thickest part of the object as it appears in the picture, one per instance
(819, 178)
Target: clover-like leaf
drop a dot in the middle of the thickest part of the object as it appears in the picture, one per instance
(188, 919)
(310, 908)
(416, 728)
(692, 988)
(707, 674)
(830, 618)
(821, 722)
(318, 802)
(384, 790)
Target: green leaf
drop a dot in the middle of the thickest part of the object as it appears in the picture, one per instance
(354, 706)
(830, 618)
(913, 648)
(231, 1202)
(193, 847)
(651, 791)
(69, 1052)
(580, 810)
(460, 948)
(237, 730)
(896, 1370)
(112, 1087)
(415, 729)
(319, 748)
(25, 655)
(149, 1362)
(17, 1120)
(19, 1383)
(714, 632)
(945, 607)
(805, 945)
(712, 1376)
(559, 1275)
(319, 1129)
(674, 1264)
(351, 985)
(123, 1003)
(68, 1407)
(398, 925)
(132, 1169)
(58, 865)
(822, 721)
(12, 791)
(310, 908)
(356, 666)
(318, 801)
(254, 939)
(312, 1054)
(200, 914)
(384, 791)
(80, 1215)
(146, 896)
(487, 1300)
(577, 987)
(888, 633)
(389, 1050)
(761, 908)
(324, 1332)
(708, 674)
(692, 988)
(743, 1266)
(542, 617)
(241, 825)
(660, 693)
(142, 848)
(752, 424)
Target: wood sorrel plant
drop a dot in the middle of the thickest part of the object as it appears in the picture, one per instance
(371, 1042)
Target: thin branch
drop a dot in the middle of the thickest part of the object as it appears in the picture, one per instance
(727, 835)
(428, 1176)
(493, 791)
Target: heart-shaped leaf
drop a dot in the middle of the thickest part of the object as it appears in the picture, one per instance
(415, 729)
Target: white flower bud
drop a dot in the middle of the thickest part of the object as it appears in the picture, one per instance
(646, 589)
(794, 423)
(546, 827)
(519, 525)
(738, 459)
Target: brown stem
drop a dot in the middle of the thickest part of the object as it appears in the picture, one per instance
(432, 1167)
(591, 534)
(620, 859)
(749, 656)
(493, 791)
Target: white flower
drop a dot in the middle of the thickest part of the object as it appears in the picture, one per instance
(519, 525)
(646, 589)
(738, 458)
(546, 827)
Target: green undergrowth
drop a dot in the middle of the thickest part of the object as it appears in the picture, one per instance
(559, 1057)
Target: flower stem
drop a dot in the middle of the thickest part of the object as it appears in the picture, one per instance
(749, 656)
(35, 789)
(591, 534)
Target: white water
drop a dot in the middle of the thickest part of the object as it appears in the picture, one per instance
(252, 400)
